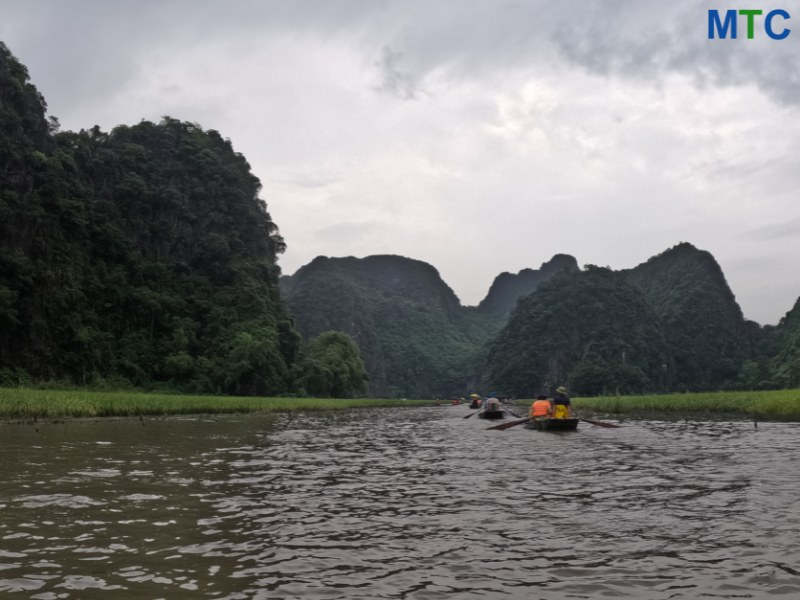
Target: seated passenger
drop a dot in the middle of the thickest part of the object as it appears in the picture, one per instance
(562, 408)
(541, 408)
(493, 404)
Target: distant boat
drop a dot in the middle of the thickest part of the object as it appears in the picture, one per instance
(492, 414)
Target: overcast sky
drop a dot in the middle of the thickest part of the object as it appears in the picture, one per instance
(477, 136)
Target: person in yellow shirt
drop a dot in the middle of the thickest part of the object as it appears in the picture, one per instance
(562, 408)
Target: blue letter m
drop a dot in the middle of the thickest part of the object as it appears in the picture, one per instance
(714, 24)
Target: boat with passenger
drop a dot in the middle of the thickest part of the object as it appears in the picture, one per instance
(492, 409)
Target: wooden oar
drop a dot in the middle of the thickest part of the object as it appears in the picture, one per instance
(470, 414)
(600, 423)
(509, 424)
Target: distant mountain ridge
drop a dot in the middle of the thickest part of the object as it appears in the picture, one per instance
(507, 288)
(670, 323)
(415, 338)
(591, 330)
(702, 320)
(784, 360)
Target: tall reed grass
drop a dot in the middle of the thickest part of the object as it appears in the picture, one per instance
(772, 404)
(30, 404)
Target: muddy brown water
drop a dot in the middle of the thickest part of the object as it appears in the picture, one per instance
(413, 503)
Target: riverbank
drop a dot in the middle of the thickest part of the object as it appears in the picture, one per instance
(779, 405)
(30, 405)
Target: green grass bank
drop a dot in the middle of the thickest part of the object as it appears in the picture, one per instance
(782, 405)
(22, 404)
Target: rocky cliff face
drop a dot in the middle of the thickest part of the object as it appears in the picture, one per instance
(507, 288)
(590, 330)
(785, 350)
(415, 338)
(703, 323)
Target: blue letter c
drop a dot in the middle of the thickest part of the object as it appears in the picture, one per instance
(768, 24)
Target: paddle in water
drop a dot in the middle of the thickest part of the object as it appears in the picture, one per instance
(509, 424)
(600, 423)
(521, 421)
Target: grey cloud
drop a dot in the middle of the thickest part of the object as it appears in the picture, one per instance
(783, 229)
(409, 39)
(344, 233)
(308, 178)
(308, 91)
(650, 42)
(394, 79)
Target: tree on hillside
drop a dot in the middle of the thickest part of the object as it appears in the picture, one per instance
(332, 367)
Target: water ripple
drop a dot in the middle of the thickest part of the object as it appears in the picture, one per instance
(410, 504)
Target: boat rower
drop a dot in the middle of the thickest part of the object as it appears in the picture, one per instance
(541, 408)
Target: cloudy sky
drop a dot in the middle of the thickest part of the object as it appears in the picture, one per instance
(477, 136)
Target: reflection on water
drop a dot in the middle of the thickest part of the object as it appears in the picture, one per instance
(397, 503)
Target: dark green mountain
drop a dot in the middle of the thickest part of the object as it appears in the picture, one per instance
(142, 256)
(671, 323)
(507, 288)
(785, 350)
(591, 330)
(415, 338)
(704, 326)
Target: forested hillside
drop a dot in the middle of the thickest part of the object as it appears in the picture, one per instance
(591, 330)
(702, 321)
(670, 324)
(142, 256)
(415, 338)
(784, 352)
(507, 288)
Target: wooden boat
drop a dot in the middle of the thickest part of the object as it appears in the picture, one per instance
(492, 414)
(475, 404)
(548, 424)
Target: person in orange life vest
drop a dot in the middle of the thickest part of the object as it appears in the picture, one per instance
(562, 408)
(541, 408)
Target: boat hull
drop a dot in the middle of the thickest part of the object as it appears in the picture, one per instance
(547, 424)
(492, 414)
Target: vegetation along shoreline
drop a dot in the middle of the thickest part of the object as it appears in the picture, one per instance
(763, 405)
(26, 405)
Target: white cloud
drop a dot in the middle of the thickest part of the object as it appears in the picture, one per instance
(477, 136)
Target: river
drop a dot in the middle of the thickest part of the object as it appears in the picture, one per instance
(405, 503)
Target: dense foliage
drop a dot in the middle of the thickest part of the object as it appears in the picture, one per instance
(331, 367)
(140, 257)
(704, 325)
(785, 351)
(670, 324)
(508, 288)
(591, 330)
(416, 338)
